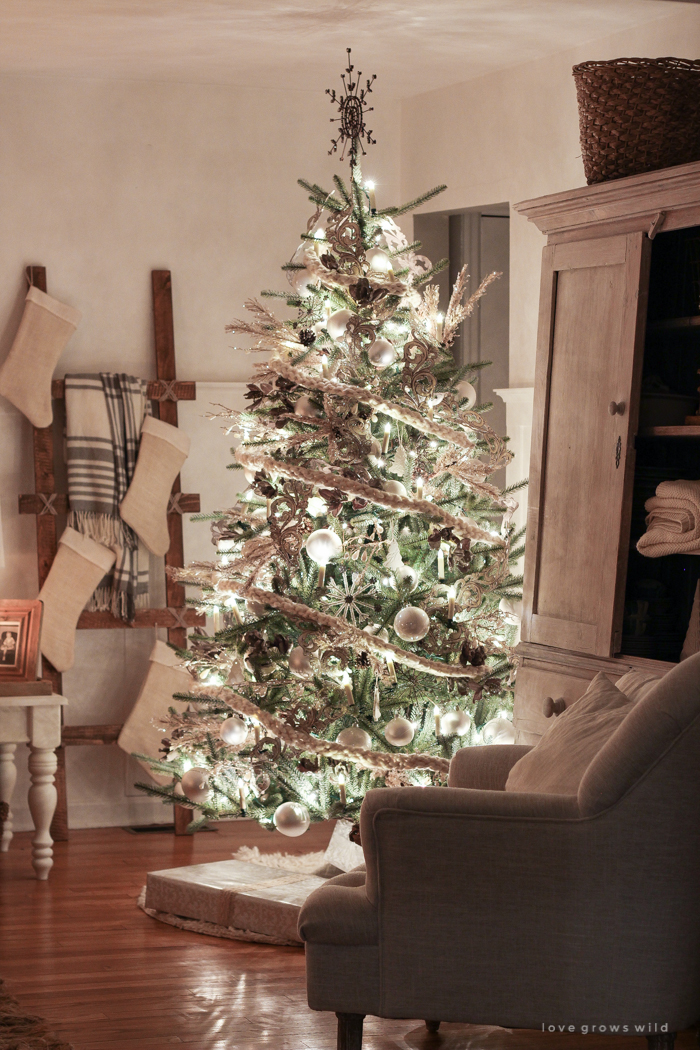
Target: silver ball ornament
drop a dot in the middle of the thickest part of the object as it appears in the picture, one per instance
(303, 282)
(499, 731)
(322, 545)
(411, 624)
(378, 260)
(455, 723)
(396, 488)
(299, 661)
(178, 790)
(381, 353)
(233, 731)
(399, 732)
(292, 819)
(305, 407)
(353, 736)
(465, 389)
(195, 784)
(337, 323)
(407, 577)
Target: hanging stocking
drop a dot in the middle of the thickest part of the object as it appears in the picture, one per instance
(25, 376)
(142, 733)
(162, 451)
(78, 567)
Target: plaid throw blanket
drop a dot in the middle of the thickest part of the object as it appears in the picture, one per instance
(104, 414)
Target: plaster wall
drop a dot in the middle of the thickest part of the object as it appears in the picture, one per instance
(101, 182)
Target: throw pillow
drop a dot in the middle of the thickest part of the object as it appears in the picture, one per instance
(557, 763)
(636, 685)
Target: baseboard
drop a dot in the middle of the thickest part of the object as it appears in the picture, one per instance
(119, 813)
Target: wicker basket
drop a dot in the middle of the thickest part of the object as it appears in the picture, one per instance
(637, 114)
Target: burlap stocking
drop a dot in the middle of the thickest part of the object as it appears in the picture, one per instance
(162, 451)
(78, 567)
(25, 376)
(142, 732)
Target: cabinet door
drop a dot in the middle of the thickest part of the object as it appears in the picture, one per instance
(590, 346)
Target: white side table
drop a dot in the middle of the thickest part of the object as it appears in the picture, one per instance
(33, 720)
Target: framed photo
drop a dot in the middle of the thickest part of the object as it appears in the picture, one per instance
(20, 624)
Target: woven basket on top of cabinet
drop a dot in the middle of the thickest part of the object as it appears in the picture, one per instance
(637, 114)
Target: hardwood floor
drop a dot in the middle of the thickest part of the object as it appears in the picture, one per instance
(78, 951)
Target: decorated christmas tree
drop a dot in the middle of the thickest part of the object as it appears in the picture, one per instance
(363, 590)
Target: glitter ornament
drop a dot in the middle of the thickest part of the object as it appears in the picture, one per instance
(337, 323)
(411, 624)
(381, 353)
(465, 389)
(299, 661)
(323, 545)
(378, 260)
(292, 819)
(233, 731)
(399, 732)
(195, 784)
(499, 731)
(455, 723)
(395, 487)
(306, 407)
(353, 736)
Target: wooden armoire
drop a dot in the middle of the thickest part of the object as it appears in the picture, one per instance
(617, 360)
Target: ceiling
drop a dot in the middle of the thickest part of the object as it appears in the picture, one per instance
(415, 45)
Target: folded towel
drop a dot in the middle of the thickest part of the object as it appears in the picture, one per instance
(673, 520)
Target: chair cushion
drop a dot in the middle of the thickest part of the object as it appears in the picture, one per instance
(636, 685)
(557, 763)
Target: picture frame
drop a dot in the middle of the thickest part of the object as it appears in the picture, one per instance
(20, 628)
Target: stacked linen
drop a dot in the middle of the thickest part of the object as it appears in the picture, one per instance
(673, 520)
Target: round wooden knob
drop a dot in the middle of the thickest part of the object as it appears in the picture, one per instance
(553, 707)
(616, 408)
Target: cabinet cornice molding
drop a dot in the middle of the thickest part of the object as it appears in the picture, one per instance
(621, 205)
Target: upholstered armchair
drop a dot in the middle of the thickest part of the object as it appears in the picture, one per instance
(488, 906)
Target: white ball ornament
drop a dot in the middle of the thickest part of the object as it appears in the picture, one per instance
(509, 611)
(465, 389)
(337, 323)
(195, 784)
(378, 260)
(411, 624)
(381, 353)
(455, 723)
(292, 819)
(233, 731)
(177, 790)
(299, 661)
(407, 577)
(306, 407)
(322, 545)
(249, 475)
(395, 487)
(353, 736)
(499, 731)
(303, 283)
(399, 732)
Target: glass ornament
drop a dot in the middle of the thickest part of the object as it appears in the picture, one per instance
(299, 661)
(233, 731)
(396, 488)
(399, 732)
(195, 784)
(337, 323)
(292, 819)
(381, 353)
(411, 624)
(353, 736)
(465, 389)
(407, 577)
(498, 730)
(322, 545)
(306, 407)
(378, 260)
(455, 723)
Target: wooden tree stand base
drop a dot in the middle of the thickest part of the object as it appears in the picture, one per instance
(165, 391)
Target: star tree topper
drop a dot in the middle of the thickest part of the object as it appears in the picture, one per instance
(352, 108)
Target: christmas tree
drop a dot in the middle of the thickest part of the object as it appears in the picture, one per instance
(363, 581)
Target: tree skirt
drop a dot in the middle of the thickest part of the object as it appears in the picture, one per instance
(20, 1031)
(307, 864)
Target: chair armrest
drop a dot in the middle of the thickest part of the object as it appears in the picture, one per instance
(485, 767)
(461, 808)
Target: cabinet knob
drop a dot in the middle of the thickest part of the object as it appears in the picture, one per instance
(553, 707)
(616, 408)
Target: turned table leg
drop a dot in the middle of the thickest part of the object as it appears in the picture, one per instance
(42, 804)
(8, 778)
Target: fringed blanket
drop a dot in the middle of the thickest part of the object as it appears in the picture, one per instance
(104, 414)
(673, 520)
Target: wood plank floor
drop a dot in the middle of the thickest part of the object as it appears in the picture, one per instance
(77, 951)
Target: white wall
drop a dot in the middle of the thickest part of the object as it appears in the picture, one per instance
(511, 136)
(102, 182)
